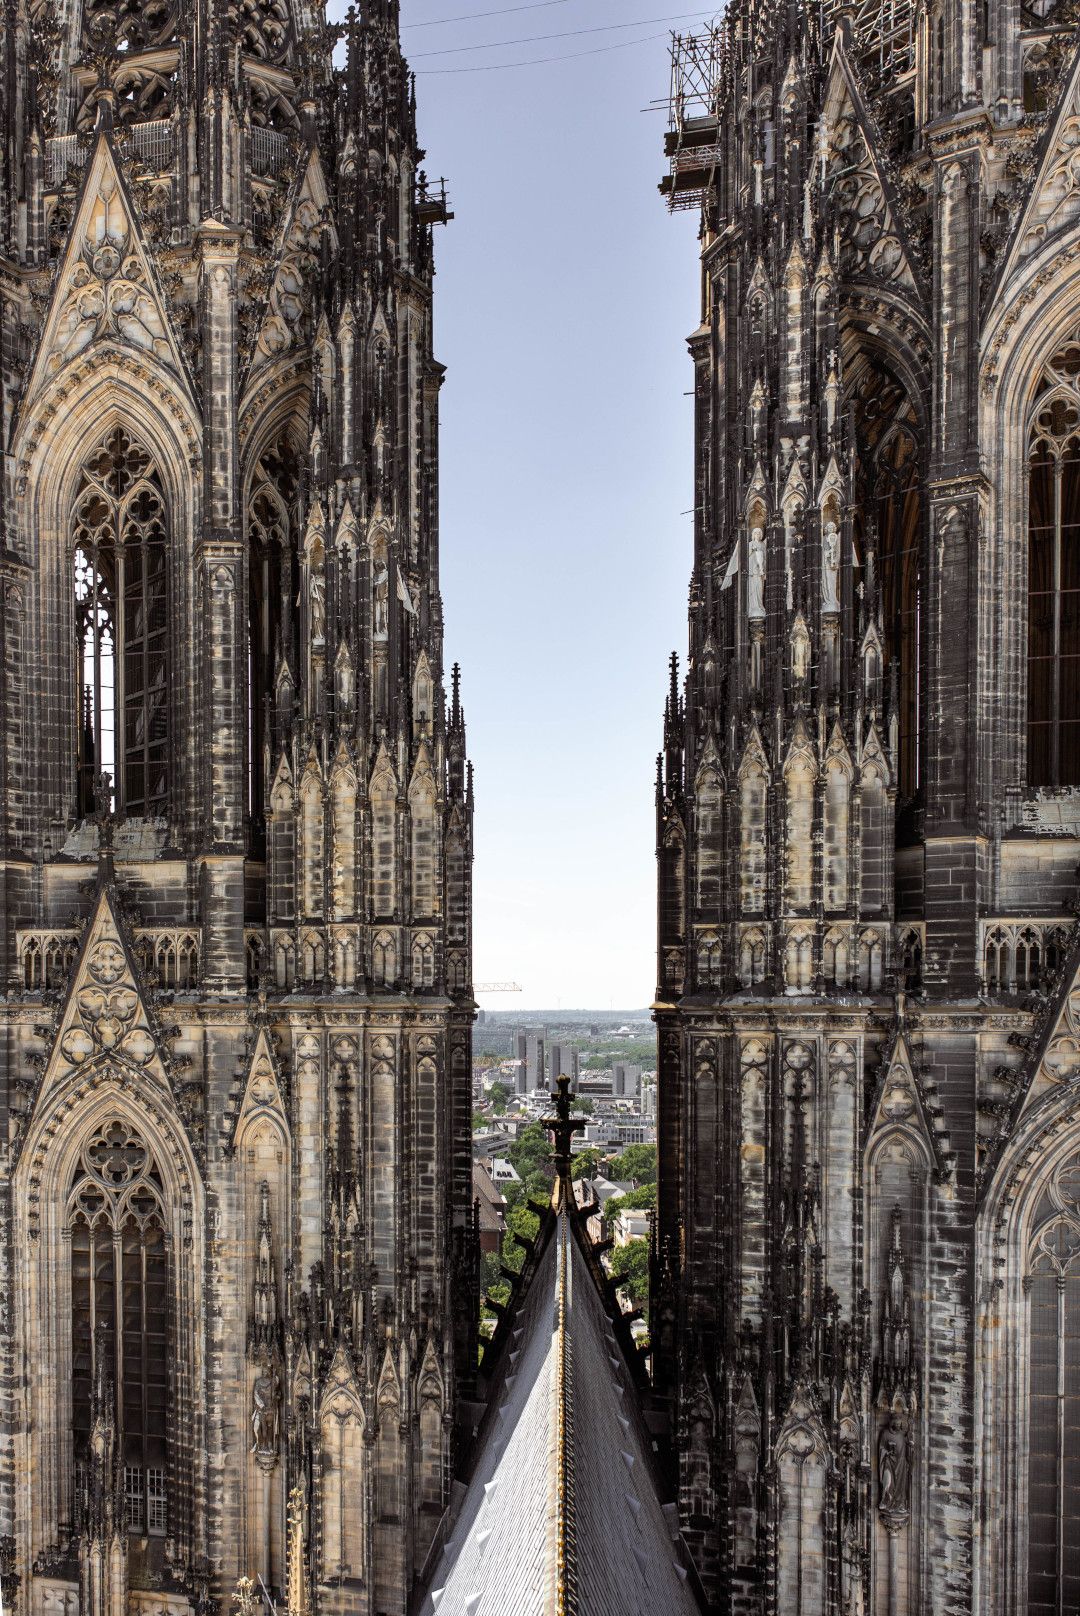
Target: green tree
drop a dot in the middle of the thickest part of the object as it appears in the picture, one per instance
(513, 1194)
(538, 1185)
(586, 1163)
(583, 1106)
(637, 1163)
(643, 1199)
(498, 1094)
(530, 1150)
(490, 1277)
(519, 1221)
(630, 1263)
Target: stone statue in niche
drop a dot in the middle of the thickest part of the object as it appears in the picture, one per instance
(265, 1412)
(800, 656)
(318, 606)
(755, 592)
(894, 1470)
(830, 568)
(382, 601)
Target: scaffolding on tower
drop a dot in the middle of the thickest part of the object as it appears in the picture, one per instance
(883, 36)
(692, 144)
(880, 37)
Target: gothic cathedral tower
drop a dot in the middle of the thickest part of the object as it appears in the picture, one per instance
(867, 1263)
(235, 827)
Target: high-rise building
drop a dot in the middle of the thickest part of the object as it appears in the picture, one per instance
(535, 1059)
(866, 1283)
(529, 1044)
(235, 819)
(562, 1062)
(626, 1079)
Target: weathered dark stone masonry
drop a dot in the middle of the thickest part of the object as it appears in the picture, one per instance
(867, 1264)
(237, 1258)
(238, 1273)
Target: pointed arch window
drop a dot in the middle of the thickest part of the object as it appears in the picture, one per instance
(120, 538)
(1053, 659)
(1053, 1287)
(119, 1316)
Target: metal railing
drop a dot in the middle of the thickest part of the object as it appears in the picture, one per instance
(61, 153)
(269, 151)
(152, 143)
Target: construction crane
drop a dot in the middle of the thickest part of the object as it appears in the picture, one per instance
(496, 987)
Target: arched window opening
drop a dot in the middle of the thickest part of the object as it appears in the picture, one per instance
(120, 543)
(835, 958)
(1053, 659)
(798, 960)
(1039, 64)
(423, 961)
(274, 579)
(752, 958)
(870, 962)
(1028, 959)
(911, 953)
(119, 1316)
(1053, 1287)
(887, 436)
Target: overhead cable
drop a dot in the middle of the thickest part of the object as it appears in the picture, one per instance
(571, 33)
(537, 61)
(470, 16)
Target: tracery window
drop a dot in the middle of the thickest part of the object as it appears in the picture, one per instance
(1053, 659)
(274, 586)
(1053, 1287)
(119, 1308)
(141, 35)
(120, 544)
(135, 25)
(264, 28)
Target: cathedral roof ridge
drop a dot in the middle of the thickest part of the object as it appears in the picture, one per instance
(527, 1539)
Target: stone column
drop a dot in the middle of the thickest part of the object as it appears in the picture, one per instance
(956, 849)
(221, 585)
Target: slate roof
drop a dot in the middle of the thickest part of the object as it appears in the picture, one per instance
(561, 1516)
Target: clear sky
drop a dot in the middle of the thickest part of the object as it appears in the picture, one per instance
(564, 295)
